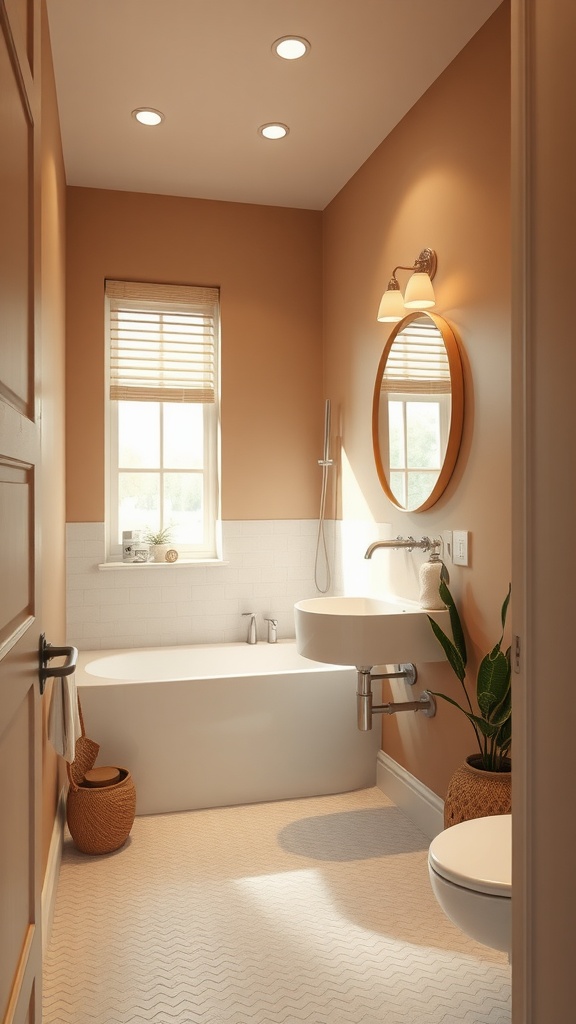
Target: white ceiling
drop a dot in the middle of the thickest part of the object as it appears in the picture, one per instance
(209, 67)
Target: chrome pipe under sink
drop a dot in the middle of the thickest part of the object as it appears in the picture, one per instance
(364, 696)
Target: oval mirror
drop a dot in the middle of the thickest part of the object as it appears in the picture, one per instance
(418, 411)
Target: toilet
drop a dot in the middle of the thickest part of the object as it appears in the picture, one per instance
(470, 867)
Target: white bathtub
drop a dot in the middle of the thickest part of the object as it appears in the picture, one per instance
(212, 725)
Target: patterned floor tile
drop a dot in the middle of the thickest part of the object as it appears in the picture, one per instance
(316, 911)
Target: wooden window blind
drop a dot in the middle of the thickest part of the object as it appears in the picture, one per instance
(163, 342)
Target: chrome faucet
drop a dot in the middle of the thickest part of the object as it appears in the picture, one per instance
(272, 630)
(403, 542)
(252, 637)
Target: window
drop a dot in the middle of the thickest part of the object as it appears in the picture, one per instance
(163, 346)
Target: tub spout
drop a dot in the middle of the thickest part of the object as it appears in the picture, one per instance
(272, 630)
(252, 637)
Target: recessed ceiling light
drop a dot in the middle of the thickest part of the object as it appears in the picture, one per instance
(291, 47)
(147, 115)
(274, 130)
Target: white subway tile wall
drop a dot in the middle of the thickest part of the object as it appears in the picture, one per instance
(269, 565)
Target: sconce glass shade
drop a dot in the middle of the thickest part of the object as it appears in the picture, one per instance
(419, 292)
(391, 306)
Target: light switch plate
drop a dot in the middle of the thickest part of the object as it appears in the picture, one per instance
(460, 547)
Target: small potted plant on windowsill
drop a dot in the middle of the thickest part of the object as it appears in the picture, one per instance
(159, 541)
(482, 785)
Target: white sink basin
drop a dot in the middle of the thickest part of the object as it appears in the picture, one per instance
(365, 631)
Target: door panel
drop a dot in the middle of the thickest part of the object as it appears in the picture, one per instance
(20, 734)
(14, 855)
(16, 210)
(16, 516)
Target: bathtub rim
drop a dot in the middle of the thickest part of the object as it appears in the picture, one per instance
(84, 677)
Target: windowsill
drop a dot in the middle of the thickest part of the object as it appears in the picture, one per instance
(181, 563)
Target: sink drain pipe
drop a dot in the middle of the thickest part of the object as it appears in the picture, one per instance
(364, 696)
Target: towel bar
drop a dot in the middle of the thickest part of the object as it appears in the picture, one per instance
(47, 652)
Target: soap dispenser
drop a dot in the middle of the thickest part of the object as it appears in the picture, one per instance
(431, 573)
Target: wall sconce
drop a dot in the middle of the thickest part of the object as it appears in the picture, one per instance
(419, 291)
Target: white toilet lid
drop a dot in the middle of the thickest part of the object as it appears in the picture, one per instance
(476, 854)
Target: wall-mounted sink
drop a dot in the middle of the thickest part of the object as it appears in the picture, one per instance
(367, 631)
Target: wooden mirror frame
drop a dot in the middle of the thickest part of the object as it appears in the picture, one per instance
(456, 411)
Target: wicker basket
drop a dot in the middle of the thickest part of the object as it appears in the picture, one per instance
(475, 793)
(99, 817)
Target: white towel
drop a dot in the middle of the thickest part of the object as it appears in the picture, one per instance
(64, 720)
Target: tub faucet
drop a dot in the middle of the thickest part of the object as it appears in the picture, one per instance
(252, 637)
(272, 630)
(403, 542)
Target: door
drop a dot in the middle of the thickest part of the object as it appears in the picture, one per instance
(20, 926)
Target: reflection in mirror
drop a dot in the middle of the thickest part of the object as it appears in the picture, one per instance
(418, 411)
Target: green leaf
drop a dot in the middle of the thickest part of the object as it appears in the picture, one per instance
(450, 700)
(485, 727)
(450, 650)
(505, 736)
(505, 607)
(493, 681)
(486, 702)
(455, 623)
(504, 710)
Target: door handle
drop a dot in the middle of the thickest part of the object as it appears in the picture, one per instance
(47, 652)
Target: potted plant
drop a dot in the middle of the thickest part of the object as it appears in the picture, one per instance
(483, 784)
(159, 542)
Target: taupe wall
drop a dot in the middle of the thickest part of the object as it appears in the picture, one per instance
(441, 179)
(52, 483)
(267, 262)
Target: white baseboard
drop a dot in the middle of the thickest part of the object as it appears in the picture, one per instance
(53, 871)
(411, 796)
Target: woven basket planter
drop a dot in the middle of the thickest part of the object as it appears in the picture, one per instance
(475, 793)
(99, 817)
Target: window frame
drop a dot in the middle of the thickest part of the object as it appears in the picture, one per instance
(210, 549)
